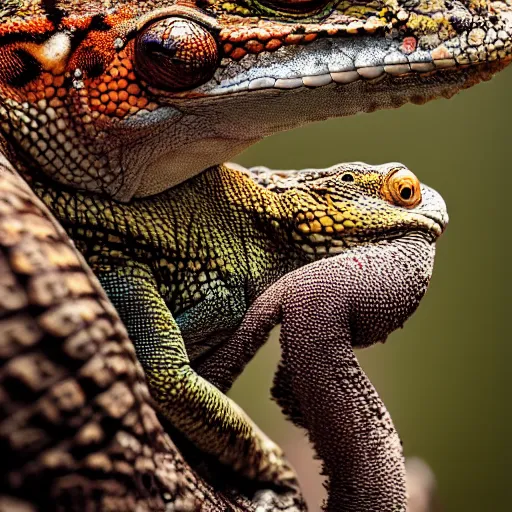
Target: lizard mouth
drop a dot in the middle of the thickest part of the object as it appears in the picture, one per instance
(424, 71)
(430, 224)
(438, 223)
(423, 44)
(310, 59)
(430, 231)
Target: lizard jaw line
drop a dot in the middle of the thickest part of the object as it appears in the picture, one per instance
(334, 60)
(371, 74)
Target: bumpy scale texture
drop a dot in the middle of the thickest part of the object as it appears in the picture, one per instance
(100, 95)
(78, 430)
(326, 309)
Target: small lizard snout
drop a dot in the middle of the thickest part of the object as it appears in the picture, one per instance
(433, 207)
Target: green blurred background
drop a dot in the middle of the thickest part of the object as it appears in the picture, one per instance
(445, 376)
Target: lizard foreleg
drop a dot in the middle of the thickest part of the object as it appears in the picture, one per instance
(209, 418)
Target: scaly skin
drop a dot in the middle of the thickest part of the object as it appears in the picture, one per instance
(85, 100)
(325, 309)
(183, 267)
(78, 430)
(90, 94)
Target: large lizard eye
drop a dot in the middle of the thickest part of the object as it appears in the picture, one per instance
(401, 187)
(176, 54)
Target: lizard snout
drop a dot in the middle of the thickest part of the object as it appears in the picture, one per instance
(433, 207)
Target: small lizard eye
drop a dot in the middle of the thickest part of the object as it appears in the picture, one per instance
(176, 54)
(347, 177)
(401, 187)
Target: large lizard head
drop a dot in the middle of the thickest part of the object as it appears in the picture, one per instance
(350, 204)
(131, 97)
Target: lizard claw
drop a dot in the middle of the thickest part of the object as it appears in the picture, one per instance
(268, 500)
(272, 466)
(265, 461)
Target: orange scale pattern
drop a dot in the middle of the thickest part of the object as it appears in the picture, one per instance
(118, 92)
(239, 47)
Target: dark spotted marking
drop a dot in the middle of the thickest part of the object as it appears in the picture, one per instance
(54, 13)
(92, 63)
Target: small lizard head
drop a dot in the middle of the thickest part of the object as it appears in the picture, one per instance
(354, 204)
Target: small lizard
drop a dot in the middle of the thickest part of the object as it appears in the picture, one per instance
(183, 267)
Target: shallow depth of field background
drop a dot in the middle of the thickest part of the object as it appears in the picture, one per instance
(446, 376)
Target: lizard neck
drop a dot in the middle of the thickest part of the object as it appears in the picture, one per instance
(378, 311)
(238, 192)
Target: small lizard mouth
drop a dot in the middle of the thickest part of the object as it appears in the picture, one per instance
(432, 228)
(438, 223)
(430, 231)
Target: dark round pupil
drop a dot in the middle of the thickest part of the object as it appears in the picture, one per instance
(347, 177)
(156, 47)
(406, 193)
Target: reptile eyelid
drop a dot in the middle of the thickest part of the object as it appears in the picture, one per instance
(402, 188)
(179, 11)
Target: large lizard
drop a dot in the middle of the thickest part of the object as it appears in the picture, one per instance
(129, 99)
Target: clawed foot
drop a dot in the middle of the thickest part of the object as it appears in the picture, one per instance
(275, 468)
(268, 465)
